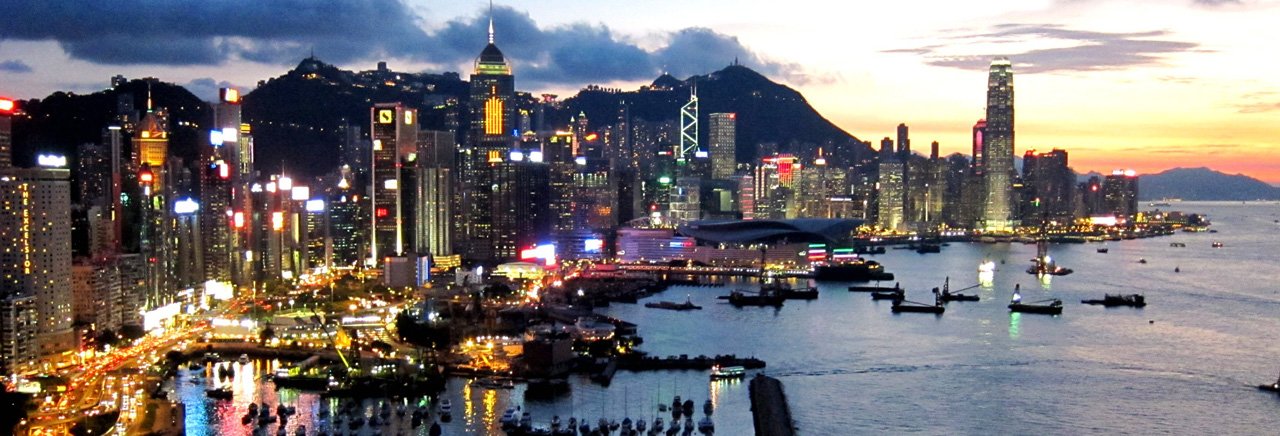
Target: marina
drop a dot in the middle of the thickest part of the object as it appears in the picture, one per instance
(1189, 364)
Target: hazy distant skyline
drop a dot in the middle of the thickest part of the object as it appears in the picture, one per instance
(1119, 84)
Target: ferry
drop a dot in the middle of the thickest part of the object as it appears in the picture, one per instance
(669, 305)
(856, 271)
(727, 372)
(1273, 387)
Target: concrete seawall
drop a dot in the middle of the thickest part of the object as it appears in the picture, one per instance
(769, 410)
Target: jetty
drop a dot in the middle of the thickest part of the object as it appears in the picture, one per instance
(769, 410)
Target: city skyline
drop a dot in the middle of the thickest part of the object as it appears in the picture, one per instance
(1174, 103)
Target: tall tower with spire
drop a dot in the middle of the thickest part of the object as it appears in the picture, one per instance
(998, 148)
(485, 172)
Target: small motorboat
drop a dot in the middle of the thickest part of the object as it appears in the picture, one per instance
(706, 426)
(707, 407)
(219, 393)
(888, 295)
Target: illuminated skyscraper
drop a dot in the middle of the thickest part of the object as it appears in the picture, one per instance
(218, 175)
(7, 107)
(394, 132)
(1120, 194)
(998, 146)
(435, 167)
(35, 231)
(723, 146)
(484, 167)
(892, 194)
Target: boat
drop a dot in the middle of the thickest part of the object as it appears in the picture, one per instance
(1142, 260)
(856, 271)
(1042, 264)
(686, 305)
(707, 407)
(446, 407)
(1113, 300)
(1273, 387)
(928, 248)
(946, 294)
(687, 407)
(1052, 306)
(219, 393)
(196, 367)
(509, 418)
(875, 288)
(904, 306)
(805, 293)
(658, 425)
(722, 373)
(1103, 249)
(895, 294)
(741, 298)
(706, 426)
(1217, 244)
(1178, 244)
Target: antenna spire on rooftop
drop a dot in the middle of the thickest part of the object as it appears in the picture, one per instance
(491, 21)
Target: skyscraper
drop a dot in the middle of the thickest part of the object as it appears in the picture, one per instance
(7, 107)
(1050, 186)
(723, 148)
(218, 175)
(997, 147)
(435, 166)
(394, 132)
(484, 165)
(35, 229)
(1120, 194)
(892, 195)
(904, 142)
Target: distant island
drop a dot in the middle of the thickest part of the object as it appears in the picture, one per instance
(1203, 184)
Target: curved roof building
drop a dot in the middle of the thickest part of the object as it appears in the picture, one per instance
(814, 230)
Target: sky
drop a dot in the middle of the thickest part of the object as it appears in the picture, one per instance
(1141, 84)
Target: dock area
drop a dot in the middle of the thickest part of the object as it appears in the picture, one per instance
(769, 410)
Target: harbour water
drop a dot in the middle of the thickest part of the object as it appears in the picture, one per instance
(1185, 364)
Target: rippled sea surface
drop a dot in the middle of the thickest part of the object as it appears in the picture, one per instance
(1185, 364)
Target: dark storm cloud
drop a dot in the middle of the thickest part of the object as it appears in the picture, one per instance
(188, 32)
(14, 66)
(1092, 51)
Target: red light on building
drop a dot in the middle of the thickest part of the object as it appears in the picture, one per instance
(7, 105)
(237, 220)
(592, 136)
(733, 116)
(146, 176)
(382, 212)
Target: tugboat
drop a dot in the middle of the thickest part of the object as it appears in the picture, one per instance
(1113, 300)
(1053, 306)
(904, 305)
(686, 305)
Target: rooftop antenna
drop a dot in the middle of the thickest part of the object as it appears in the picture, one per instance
(491, 21)
(148, 96)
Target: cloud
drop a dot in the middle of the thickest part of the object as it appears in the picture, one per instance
(584, 52)
(206, 88)
(190, 32)
(1258, 108)
(15, 66)
(1216, 2)
(1076, 50)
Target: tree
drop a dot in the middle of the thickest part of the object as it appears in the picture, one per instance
(267, 333)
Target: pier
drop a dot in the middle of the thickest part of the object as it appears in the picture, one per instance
(769, 409)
